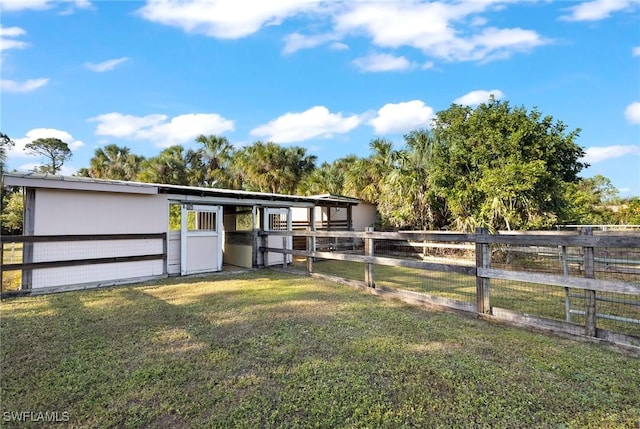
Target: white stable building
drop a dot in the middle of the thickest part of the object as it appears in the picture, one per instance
(197, 230)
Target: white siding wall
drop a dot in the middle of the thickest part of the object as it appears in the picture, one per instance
(299, 214)
(364, 215)
(336, 213)
(81, 212)
(60, 212)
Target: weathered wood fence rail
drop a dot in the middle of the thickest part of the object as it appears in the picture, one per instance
(483, 242)
(28, 265)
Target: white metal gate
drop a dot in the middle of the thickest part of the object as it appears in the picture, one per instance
(278, 220)
(201, 239)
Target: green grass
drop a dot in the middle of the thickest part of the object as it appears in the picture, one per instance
(531, 298)
(268, 349)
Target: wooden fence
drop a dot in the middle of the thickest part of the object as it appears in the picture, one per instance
(28, 265)
(483, 243)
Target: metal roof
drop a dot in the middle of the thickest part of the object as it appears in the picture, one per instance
(335, 197)
(35, 180)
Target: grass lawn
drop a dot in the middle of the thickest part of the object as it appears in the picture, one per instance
(266, 349)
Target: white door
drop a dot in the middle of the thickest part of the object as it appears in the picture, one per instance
(278, 220)
(201, 239)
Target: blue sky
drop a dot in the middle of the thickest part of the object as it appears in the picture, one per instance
(325, 75)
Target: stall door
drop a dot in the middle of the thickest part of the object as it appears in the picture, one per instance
(201, 237)
(278, 220)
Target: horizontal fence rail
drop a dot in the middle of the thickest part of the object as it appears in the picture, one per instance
(27, 265)
(554, 268)
(92, 237)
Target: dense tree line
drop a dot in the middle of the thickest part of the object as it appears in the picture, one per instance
(263, 167)
(496, 166)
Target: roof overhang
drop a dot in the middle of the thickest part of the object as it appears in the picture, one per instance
(221, 196)
(77, 183)
(337, 199)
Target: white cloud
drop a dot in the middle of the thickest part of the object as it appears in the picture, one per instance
(296, 41)
(431, 28)
(316, 122)
(43, 133)
(222, 18)
(157, 129)
(494, 43)
(125, 126)
(65, 170)
(383, 63)
(30, 166)
(13, 5)
(478, 21)
(438, 29)
(597, 10)
(339, 46)
(402, 117)
(26, 86)
(635, 51)
(105, 65)
(479, 96)
(597, 154)
(632, 113)
(12, 31)
(7, 35)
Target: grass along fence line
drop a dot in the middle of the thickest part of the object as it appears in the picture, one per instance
(574, 296)
(275, 350)
(528, 298)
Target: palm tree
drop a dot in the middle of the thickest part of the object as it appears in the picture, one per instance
(406, 199)
(363, 178)
(329, 178)
(210, 165)
(169, 167)
(268, 167)
(113, 162)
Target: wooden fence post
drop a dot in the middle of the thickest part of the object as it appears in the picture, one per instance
(567, 291)
(284, 255)
(256, 237)
(369, 251)
(311, 241)
(483, 286)
(2, 260)
(256, 247)
(28, 229)
(165, 254)
(590, 295)
(265, 254)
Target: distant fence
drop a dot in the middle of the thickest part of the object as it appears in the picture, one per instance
(25, 256)
(599, 227)
(324, 225)
(580, 284)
